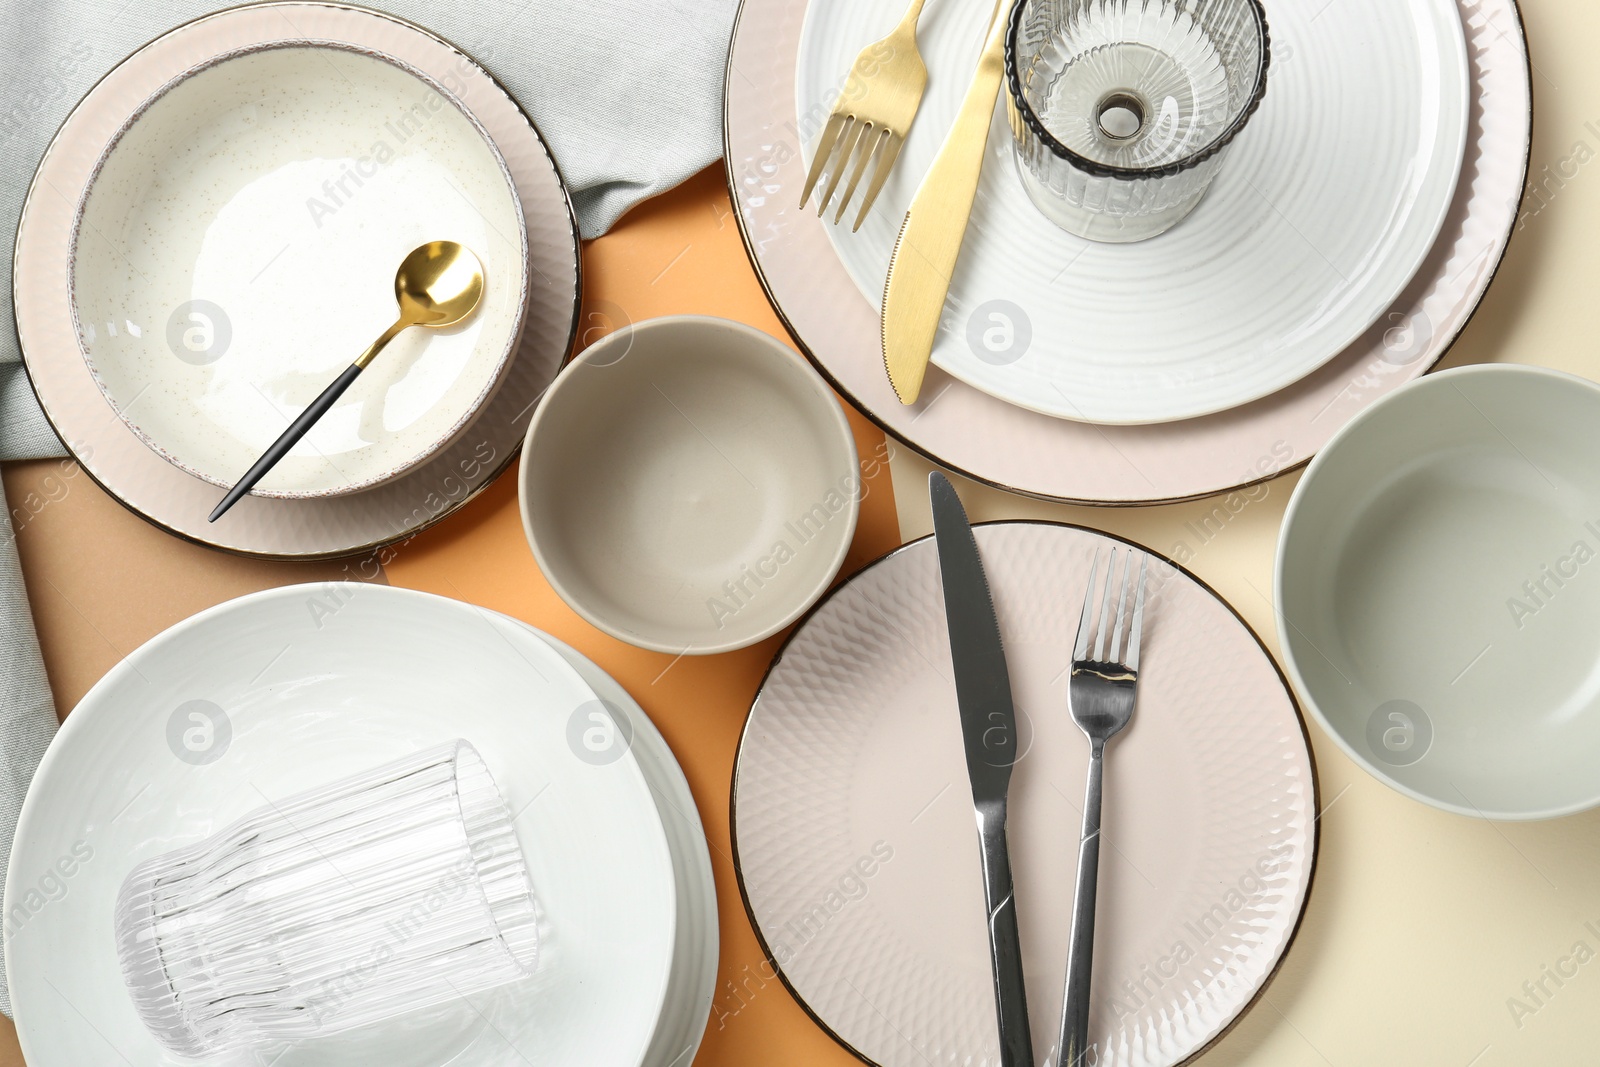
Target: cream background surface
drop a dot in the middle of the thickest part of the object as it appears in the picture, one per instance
(1421, 924)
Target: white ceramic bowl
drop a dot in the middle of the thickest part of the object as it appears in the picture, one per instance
(1438, 582)
(237, 249)
(689, 485)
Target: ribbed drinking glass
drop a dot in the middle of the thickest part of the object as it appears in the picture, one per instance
(382, 893)
(1122, 110)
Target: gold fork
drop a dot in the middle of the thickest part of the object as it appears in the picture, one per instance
(871, 118)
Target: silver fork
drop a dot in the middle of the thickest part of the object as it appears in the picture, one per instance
(1100, 694)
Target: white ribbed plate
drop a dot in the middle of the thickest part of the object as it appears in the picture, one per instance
(1324, 210)
(693, 984)
(317, 682)
(853, 752)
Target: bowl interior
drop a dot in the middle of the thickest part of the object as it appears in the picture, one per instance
(1438, 579)
(237, 250)
(690, 486)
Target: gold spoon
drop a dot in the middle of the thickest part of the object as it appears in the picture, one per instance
(438, 284)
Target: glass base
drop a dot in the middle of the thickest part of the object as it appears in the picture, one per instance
(1098, 225)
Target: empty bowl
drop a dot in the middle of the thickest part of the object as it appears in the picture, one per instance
(237, 247)
(689, 485)
(1438, 578)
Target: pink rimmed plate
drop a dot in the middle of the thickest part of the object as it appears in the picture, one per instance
(858, 855)
(1038, 455)
(100, 430)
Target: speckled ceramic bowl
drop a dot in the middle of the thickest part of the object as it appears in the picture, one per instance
(237, 247)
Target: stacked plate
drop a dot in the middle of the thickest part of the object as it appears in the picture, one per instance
(1350, 236)
(212, 237)
(267, 695)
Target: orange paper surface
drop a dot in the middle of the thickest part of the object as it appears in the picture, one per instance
(679, 254)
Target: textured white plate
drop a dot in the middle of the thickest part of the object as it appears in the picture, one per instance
(238, 248)
(304, 685)
(859, 856)
(1323, 212)
(692, 986)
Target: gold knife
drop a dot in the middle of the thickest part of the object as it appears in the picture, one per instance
(930, 237)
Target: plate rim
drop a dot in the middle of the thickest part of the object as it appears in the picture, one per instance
(672, 769)
(513, 442)
(118, 675)
(1283, 680)
(1130, 501)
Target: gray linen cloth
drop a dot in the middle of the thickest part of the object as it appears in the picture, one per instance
(626, 92)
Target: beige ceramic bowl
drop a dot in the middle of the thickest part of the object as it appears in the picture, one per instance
(689, 485)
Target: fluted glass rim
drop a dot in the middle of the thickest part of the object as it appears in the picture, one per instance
(505, 889)
(1108, 170)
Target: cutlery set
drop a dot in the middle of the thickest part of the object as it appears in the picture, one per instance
(1102, 687)
(878, 105)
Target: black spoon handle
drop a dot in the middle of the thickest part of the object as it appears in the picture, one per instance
(280, 448)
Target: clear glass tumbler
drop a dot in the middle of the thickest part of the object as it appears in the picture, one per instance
(385, 892)
(1121, 110)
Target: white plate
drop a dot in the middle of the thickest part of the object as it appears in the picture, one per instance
(1323, 212)
(694, 963)
(237, 250)
(307, 684)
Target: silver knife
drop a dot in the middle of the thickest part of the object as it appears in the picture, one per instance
(989, 730)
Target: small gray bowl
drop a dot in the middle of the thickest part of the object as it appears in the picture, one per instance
(689, 485)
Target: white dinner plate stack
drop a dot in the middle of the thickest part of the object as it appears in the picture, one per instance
(273, 693)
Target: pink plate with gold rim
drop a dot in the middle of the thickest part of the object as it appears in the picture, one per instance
(858, 854)
(1027, 452)
(101, 431)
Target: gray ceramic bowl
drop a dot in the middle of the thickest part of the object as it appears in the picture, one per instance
(1438, 582)
(689, 485)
